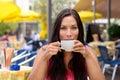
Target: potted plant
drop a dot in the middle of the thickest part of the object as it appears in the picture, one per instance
(114, 32)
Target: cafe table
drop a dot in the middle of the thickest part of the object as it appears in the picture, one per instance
(109, 44)
(21, 74)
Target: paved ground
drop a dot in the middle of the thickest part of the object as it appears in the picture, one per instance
(108, 73)
(117, 76)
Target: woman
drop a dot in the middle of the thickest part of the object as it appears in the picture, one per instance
(93, 33)
(52, 63)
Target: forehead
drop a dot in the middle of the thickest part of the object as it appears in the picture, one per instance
(69, 19)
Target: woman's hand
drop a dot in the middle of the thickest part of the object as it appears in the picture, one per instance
(50, 49)
(79, 47)
(40, 66)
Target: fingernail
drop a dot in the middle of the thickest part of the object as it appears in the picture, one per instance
(86, 46)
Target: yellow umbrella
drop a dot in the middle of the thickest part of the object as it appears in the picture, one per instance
(27, 15)
(87, 16)
(8, 10)
(5, 0)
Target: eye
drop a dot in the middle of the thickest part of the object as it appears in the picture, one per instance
(74, 27)
(63, 27)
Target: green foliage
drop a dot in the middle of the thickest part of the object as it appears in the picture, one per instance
(7, 27)
(114, 30)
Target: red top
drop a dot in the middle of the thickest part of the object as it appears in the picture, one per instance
(69, 76)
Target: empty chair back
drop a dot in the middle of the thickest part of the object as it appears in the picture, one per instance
(33, 54)
(104, 54)
(21, 52)
(118, 48)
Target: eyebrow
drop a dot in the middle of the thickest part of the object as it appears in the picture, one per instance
(71, 25)
(74, 25)
(62, 25)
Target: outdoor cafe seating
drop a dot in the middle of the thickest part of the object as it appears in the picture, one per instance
(16, 66)
(10, 56)
(108, 54)
(111, 63)
(118, 51)
(20, 74)
(21, 59)
(109, 44)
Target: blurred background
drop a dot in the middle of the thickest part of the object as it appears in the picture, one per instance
(27, 24)
(19, 16)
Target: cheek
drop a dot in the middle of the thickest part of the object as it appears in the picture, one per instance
(76, 34)
(62, 34)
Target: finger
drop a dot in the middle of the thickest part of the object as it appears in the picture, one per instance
(79, 49)
(76, 41)
(52, 51)
(78, 45)
(60, 49)
(44, 47)
(55, 43)
(53, 47)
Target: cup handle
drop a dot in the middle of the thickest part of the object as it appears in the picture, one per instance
(62, 48)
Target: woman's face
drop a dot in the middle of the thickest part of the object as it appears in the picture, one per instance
(68, 29)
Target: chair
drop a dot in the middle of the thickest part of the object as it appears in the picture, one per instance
(99, 58)
(18, 56)
(108, 62)
(29, 59)
(118, 52)
(24, 58)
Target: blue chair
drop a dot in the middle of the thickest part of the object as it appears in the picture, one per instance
(24, 58)
(118, 52)
(100, 58)
(108, 62)
(21, 52)
(29, 59)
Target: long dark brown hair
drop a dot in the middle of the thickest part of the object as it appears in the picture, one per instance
(57, 70)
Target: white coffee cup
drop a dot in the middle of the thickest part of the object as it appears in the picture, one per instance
(67, 45)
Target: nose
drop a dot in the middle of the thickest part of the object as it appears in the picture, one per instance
(69, 33)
